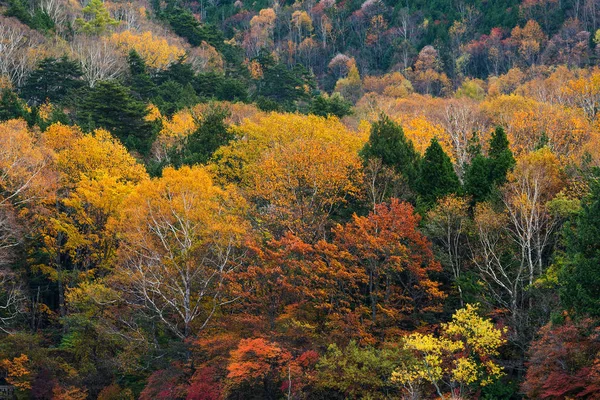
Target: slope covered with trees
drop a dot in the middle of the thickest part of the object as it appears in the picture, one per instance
(308, 200)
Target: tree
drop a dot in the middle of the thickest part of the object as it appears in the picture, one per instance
(330, 105)
(357, 372)
(436, 176)
(563, 361)
(297, 169)
(446, 226)
(110, 105)
(98, 19)
(461, 357)
(54, 79)
(501, 156)
(212, 133)
(486, 173)
(180, 235)
(397, 263)
(579, 276)
(388, 143)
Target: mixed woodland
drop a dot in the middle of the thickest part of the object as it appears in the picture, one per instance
(334, 199)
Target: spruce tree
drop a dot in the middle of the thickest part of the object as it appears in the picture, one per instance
(486, 173)
(437, 177)
(501, 156)
(388, 143)
(579, 275)
(140, 82)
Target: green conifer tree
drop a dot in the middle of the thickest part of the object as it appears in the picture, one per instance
(437, 177)
(388, 143)
(579, 275)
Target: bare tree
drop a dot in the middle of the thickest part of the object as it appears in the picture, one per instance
(18, 53)
(100, 59)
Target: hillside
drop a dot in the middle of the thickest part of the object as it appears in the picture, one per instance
(311, 200)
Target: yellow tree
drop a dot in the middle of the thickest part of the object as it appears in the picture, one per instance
(156, 51)
(535, 181)
(461, 357)
(297, 169)
(179, 236)
(95, 173)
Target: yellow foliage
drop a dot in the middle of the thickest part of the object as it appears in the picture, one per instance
(156, 51)
(462, 354)
(96, 154)
(301, 166)
(17, 372)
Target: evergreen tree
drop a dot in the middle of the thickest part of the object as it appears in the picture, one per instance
(580, 273)
(98, 19)
(437, 177)
(53, 79)
(388, 143)
(212, 133)
(139, 81)
(486, 173)
(501, 156)
(110, 105)
(11, 107)
(330, 105)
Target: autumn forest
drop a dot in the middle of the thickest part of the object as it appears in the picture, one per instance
(309, 199)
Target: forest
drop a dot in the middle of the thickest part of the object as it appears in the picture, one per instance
(334, 199)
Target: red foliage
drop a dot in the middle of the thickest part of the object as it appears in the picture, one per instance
(564, 362)
(203, 385)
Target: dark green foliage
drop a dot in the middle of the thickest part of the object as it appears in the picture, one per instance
(486, 173)
(333, 105)
(30, 15)
(111, 106)
(388, 143)
(11, 106)
(53, 79)
(579, 276)
(212, 133)
(437, 177)
(282, 85)
(172, 96)
(211, 85)
(501, 156)
(139, 80)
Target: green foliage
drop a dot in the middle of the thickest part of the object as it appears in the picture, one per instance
(97, 18)
(358, 372)
(110, 105)
(11, 106)
(388, 143)
(281, 84)
(484, 174)
(53, 79)
(212, 133)
(437, 178)
(330, 105)
(579, 276)
(139, 80)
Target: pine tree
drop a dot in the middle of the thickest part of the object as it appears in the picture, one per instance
(53, 79)
(109, 105)
(388, 143)
(437, 177)
(580, 273)
(98, 18)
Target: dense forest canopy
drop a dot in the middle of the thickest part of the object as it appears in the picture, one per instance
(334, 199)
